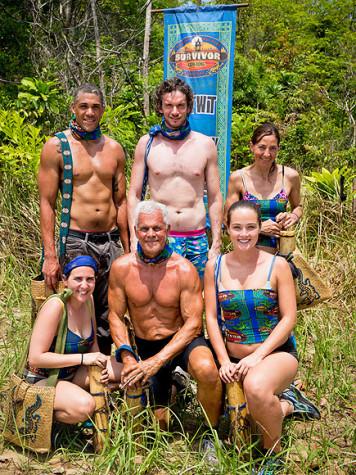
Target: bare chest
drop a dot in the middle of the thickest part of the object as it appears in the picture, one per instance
(167, 160)
(152, 287)
(92, 160)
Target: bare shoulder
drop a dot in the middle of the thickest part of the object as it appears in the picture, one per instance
(291, 173)
(122, 264)
(203, 139)
(143, 141)
(114, 147)
(235, 177)
(281, 264)
(51, 150)
(186, 271)
(51, 309)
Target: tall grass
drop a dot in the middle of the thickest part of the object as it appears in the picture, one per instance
(326, 345)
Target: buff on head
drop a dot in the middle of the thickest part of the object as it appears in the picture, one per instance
(80, 261)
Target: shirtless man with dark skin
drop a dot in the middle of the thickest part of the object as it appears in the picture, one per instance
(98, 213)
(180, 163)
(162, 291)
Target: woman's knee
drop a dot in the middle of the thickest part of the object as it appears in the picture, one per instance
(79, 407)
(85, 407)
(257, 389)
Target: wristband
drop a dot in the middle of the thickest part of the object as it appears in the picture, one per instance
(125, 348)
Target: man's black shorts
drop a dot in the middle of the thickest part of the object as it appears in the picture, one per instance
(161, 382)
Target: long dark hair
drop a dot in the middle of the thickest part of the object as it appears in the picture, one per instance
(261, 131)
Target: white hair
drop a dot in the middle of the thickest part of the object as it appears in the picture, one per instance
(149, 207)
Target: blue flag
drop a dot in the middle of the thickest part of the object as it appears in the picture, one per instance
(199, 48)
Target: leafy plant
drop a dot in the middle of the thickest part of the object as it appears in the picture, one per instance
(38, 98)
(21, 146)
(328, 184)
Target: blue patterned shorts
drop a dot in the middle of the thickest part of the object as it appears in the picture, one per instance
(193, 247)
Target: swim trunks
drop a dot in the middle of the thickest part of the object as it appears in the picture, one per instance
(193, 245)
(161, 382)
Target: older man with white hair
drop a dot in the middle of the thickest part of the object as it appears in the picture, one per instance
(162, 291)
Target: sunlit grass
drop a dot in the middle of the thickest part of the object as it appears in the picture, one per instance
(326, 346)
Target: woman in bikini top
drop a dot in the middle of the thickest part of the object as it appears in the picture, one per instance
(72, 403)
(269, 185)
(253, 292)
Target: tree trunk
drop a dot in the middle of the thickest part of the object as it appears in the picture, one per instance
(146, 52)
(98, 48)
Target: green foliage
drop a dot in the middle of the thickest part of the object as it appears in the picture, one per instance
(38, 99)
(328, 184)
(21, 147)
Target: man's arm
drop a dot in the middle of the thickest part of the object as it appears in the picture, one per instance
(48, 184)
(134, 195)
(191, 308)
(215, 202)
(119, 196)
(117, 310)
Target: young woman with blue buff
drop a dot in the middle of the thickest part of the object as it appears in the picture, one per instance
(72, 403)
(254, 294)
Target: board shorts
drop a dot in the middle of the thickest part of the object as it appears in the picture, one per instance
(193, 245)
(161, 382)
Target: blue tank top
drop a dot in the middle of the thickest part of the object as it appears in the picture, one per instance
(249, 315)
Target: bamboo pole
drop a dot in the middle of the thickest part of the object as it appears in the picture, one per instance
(98, 391)
(287, 241)
(240, 426)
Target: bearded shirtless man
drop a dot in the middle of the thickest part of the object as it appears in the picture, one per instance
(180, 163)
(94, 215)
(162, 291)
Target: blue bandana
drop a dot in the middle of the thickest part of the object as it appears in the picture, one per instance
(162, 256)
(172, 134)
(82, 134)
(80, 261)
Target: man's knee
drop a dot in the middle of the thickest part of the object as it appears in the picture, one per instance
(202, 366)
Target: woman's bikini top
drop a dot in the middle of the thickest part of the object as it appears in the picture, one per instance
(249, 315)
(74, 344)
(269, 209)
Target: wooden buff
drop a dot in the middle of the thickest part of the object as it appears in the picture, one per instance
(98, 391)
(287, 241)
(240, 427)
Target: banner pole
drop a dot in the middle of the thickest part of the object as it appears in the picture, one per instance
(236, 5)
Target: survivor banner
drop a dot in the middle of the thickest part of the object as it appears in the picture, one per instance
(199, 48)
